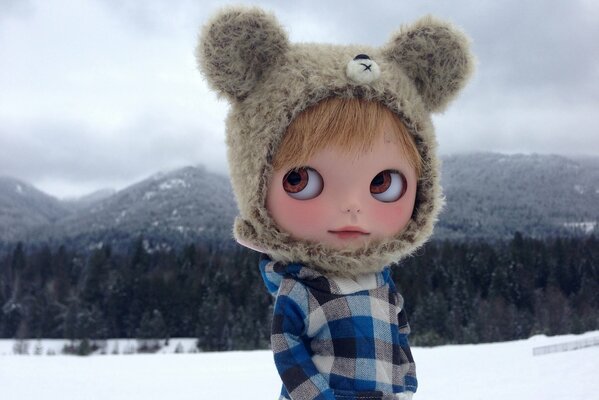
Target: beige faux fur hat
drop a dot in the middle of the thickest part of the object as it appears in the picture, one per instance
(246, 57)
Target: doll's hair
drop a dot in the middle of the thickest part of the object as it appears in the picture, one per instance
(351, 125)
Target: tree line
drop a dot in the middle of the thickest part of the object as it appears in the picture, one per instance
(455, 292)
(473, 292)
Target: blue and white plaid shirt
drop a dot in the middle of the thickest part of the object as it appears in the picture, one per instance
(338, 338)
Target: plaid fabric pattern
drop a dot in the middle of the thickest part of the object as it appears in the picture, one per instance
(338, 338)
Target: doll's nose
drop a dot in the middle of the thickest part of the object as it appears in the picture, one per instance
(350, 199)
(351, 209)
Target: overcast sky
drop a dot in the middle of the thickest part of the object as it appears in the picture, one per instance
(103, 93)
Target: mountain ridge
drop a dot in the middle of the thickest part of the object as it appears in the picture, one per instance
(489, 195)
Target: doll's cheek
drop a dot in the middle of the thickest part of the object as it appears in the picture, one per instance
(306, 215)
(391, 218)
(296, 217)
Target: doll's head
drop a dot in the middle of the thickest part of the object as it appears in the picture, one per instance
(280, 122)
(344, 175)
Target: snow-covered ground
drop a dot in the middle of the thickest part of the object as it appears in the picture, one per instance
(487, 371)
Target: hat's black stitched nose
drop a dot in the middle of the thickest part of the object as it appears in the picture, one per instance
(361, 57)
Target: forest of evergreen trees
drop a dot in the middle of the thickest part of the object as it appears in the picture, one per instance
(455, 292)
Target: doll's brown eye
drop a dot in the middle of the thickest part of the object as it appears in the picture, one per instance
(388, 186)
(303, 183)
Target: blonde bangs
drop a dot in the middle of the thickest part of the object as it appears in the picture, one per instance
(351, 125)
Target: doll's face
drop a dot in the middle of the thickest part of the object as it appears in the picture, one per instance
(343, 200)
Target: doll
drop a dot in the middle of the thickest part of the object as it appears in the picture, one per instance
(332, 160)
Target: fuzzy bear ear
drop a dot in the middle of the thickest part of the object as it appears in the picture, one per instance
(237, 47)
(436, 56)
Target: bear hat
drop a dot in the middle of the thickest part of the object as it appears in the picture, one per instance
(247, 58)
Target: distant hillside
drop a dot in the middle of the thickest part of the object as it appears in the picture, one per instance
(174, 207)
(488, 196)
(78, 203)
(22, 207)
(494, 195)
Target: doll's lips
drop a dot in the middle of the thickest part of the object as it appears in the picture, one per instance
(349, 232)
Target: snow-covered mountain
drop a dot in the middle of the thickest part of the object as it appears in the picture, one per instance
(488, 196)
(175, 207)
(77, 203)
(22, 207)
(494, 195)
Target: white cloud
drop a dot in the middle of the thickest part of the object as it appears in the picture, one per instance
(107, 91)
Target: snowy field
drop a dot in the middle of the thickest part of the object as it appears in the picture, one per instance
(488, 371)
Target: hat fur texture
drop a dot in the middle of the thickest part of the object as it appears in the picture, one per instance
(246, 57)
